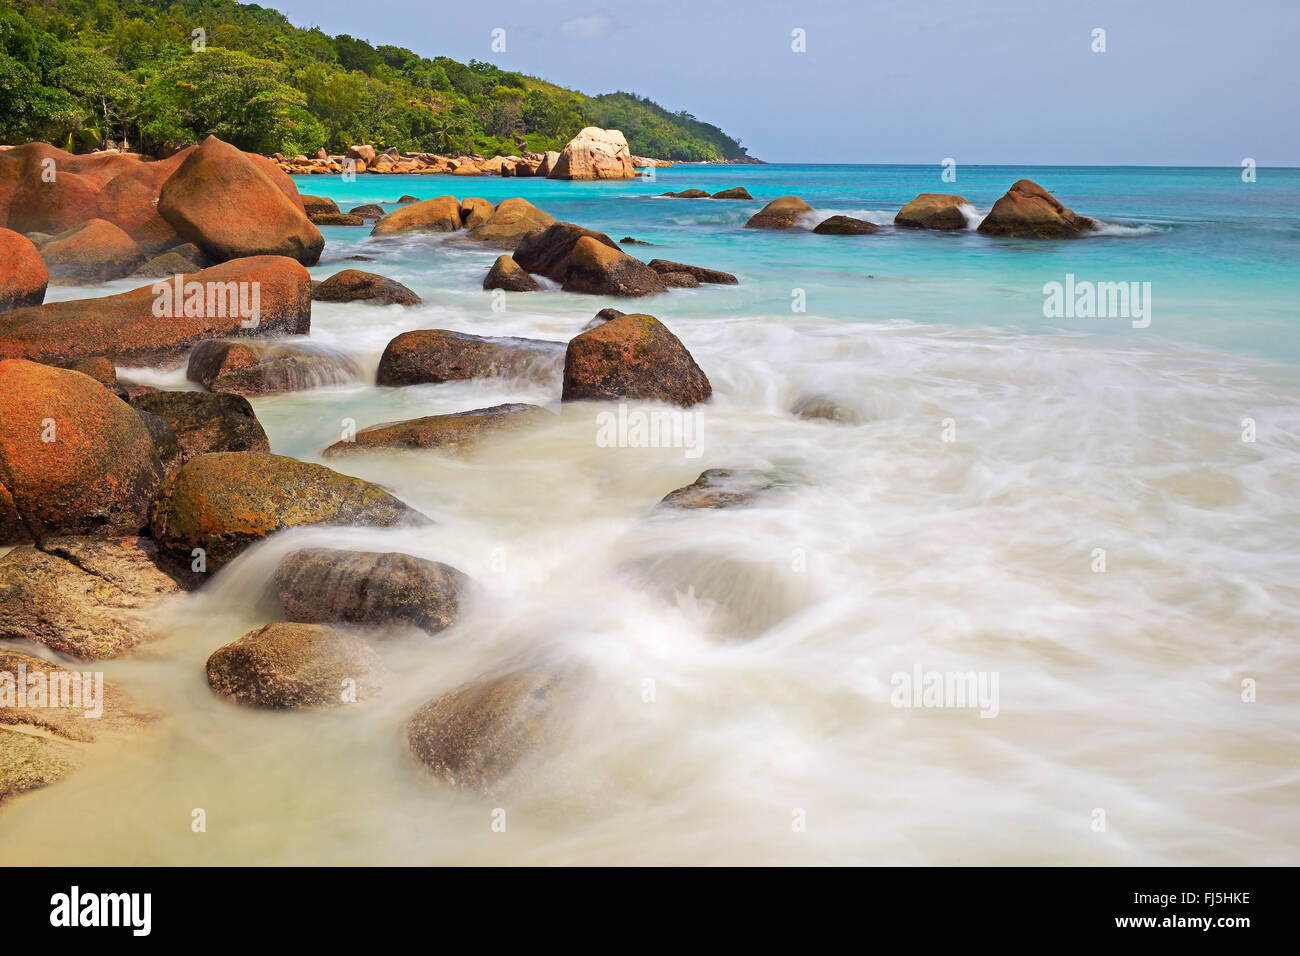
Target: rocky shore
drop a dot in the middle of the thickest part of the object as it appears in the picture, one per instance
(116, 496)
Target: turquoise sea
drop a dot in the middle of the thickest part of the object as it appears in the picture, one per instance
(1101, 521)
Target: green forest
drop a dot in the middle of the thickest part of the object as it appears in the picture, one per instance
(148, 75)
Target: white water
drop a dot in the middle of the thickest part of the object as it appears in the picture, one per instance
(1119, 690)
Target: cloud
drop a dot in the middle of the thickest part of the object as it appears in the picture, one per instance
(587, 28)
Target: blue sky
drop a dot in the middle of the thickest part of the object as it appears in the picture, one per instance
(1182, 82)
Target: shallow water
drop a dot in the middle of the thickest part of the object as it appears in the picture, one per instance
(767, 638)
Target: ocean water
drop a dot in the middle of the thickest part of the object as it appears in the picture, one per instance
(1103, 518)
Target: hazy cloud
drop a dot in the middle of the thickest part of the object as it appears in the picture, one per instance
(587, 28)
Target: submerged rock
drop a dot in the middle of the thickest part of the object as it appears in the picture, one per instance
(23, 275)
(506, 274)
(664, 267)
(440, 431)
(88, 598)
(1028, 211)
(820, 406)
(735, 192)
(223, 502)
(474, 735)
(629, 241)
(322, 585)
(439, 355)
(633, 357)
(204, 422)
(720, 488)
(74, 458)
(933, 211)
(352, 285)
(287, 665)
(246, 368)
(688, 194)
(845, 226)
(369, 211)
(783, 213)
(599, 269)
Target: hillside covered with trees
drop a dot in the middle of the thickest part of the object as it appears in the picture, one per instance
(84, 73)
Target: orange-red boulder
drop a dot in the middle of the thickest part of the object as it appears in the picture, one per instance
(231, 206)
(95, 251)
(633, 357)
(1028, 211)
(441, 214)
(74, 458)
(48, 194)
(23, 276)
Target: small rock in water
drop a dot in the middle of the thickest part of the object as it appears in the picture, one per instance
(508, 224)
(453, 431)
(337, 219)
(933, 211)
(598, 269)
(819, 406)
(506, 274)
(1028, 211)
(323, 585)
(689, 194)
(359, 258)
(845, 226)
(353, 285)
(665, 267)
(603, 316)
(368, 211)
(735, 192)
(405, 199)
(440, 355)
(720, 488)
(288, 665)
(633, 357)
(782, 213)
(245, 368)
(547, 252)
(629, 241)
(474, 735)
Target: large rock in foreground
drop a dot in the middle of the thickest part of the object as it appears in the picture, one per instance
(159, 323)
(933, 211)
(596, 269)
(439, 355)
(1028, 211)
(439, 431)
(441, 214)
(231, 206)
(286, 665)
(74, 458)
(635, 358)
(223, 502)
(89, 598)
(474, 735)
(23, 275)
(204, 422)
(595, 154)
(783, 213)
(323, 585)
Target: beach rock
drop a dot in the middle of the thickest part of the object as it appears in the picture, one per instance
(40, 203)
(735, 192)
(474, 735)
(699, 272)
(352, 285)
(547, 252)
(720, 488)
(223, 502)
(204, 422)
(163, 435)
(689, 194)
(130, 202)
(510, 222)
(23, 275)
(845, 226)
(74, 458)
(368, 211)
(88, 598)
(475, 211)
(506, 274)
(441, 214)
(405, 199)
(365, 154)
(231, 206)
(633, 357)
(325, 585)
(603, 316)
(783, 213)
(95, 251)
(820, 406)
(549, 159)
(629, 241)
(599, 269)
(1028, 211)
(43, 741)
(286, 665)
(177, 260)
(466, 167)
(318, 206)
(451, 432)
(129, 329)
(337, 219)
(679, 280)
(933, 211)
(240, 368)
(439, 355)
(99, 368)
(594, 154)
